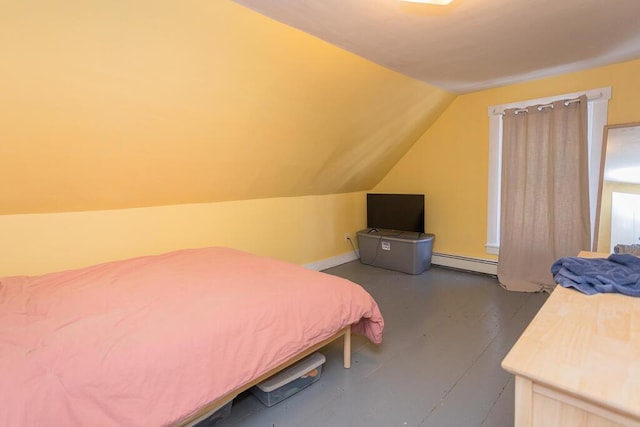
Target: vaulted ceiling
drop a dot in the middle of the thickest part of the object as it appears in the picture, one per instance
(109, 105)
(471, 44)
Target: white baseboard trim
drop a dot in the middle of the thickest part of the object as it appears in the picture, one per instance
(479, 265)
(333, 261)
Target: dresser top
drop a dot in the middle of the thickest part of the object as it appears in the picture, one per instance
(588, 346)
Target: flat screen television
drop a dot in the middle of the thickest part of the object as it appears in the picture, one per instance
(402, 212)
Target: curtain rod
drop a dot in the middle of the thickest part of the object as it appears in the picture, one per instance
(540, 107)
(543, 106)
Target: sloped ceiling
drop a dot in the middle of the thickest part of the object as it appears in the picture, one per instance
(107, 105)
(471, 44)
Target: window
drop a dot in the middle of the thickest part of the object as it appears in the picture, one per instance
(598, 102)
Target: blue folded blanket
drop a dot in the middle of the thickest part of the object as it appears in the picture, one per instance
(620, 273)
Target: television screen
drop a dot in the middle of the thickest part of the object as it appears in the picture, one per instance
(402, 212)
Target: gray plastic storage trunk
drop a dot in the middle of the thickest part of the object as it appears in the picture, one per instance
(289, 381)
(405, 251)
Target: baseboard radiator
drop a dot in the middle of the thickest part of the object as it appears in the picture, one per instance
(478, 265)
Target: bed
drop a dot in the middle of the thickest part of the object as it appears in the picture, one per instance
(162, 340)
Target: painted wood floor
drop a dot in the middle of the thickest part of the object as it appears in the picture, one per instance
(446, 333)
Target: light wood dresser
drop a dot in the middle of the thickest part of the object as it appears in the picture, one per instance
(578, 362)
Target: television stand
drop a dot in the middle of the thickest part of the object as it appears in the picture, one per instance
(404, 251)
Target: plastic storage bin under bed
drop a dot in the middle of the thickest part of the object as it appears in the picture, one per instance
(289, 381)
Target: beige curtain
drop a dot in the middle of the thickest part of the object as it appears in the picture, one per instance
(545, 192)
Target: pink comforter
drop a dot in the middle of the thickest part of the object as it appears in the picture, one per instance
(148, 341)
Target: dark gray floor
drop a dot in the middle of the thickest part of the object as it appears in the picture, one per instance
(446, 333)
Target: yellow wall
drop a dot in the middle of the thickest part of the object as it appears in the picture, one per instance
(450, 161)
(117, 104)
(132, 128)
(298, 229)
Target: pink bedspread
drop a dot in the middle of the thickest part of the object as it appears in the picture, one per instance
(150, 340)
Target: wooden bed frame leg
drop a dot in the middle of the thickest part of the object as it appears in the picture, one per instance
(347, 347)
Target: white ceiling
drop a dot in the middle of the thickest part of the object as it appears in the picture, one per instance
(471, 44)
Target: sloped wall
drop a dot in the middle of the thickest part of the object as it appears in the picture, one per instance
(135, 128)
(127, 104)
